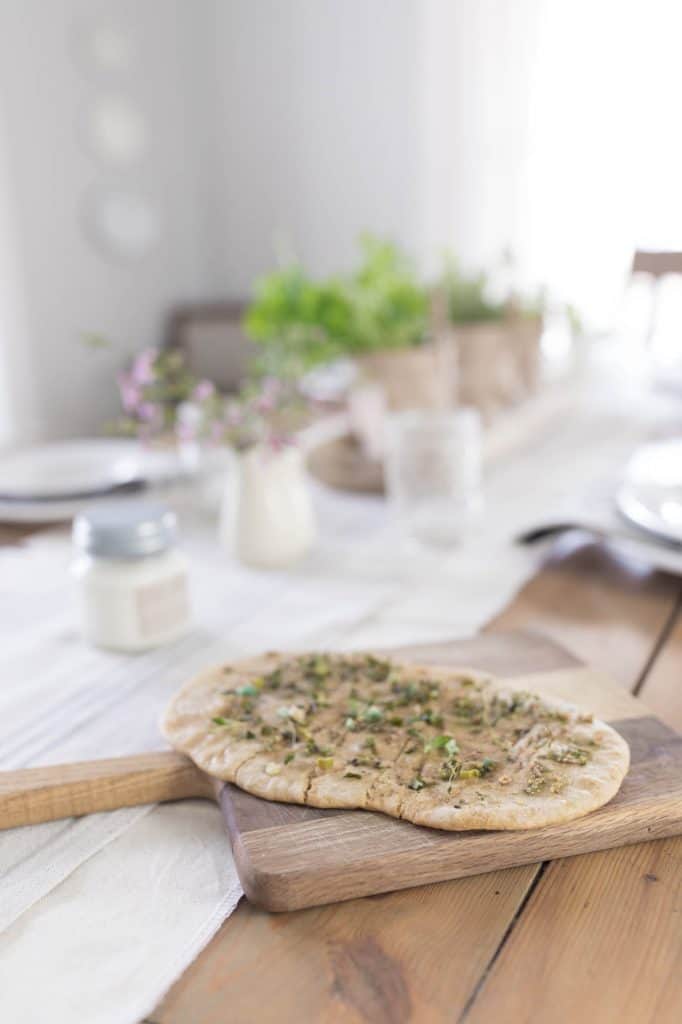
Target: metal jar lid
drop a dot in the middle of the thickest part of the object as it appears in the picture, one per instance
(125, 529)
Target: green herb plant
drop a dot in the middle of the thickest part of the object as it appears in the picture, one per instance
(301, 323)
(471, 297)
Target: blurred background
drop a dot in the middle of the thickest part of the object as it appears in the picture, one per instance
(162, 154)
(325, 325)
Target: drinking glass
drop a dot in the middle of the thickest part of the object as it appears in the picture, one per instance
(433, 473)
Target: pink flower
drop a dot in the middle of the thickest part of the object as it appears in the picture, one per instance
(130, 393)
(185, 432)
(142, 370)
(217, 431)
(278, 442)
(148, 412)
(270, 393)
(264, 403)
(233, 416)
(204, 390)
(271, 386)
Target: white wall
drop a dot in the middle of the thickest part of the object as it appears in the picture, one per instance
(317, 131)
(275, 128)
(68, 285)
(18, 413)
(403, 117)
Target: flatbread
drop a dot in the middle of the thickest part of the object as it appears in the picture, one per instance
(449, 749)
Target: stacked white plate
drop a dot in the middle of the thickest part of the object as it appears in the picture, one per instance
(52, 482)
(650, 496)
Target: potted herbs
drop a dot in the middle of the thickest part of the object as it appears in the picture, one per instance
(497, 341)
(378, 316)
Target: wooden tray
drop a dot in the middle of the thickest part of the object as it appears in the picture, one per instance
(290, 857)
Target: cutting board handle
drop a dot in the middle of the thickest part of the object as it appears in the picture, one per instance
(33, 795)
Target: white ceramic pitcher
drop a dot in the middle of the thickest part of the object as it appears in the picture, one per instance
(268, 518)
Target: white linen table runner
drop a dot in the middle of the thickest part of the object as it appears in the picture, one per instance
(98, 916)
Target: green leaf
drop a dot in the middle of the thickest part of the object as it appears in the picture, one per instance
(373, 714)
(445, 742)
(301, 323)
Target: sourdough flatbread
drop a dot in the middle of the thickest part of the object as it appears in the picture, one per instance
(449, 749)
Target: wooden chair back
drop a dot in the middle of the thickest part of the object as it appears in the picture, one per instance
(655, 265)
(214, 342)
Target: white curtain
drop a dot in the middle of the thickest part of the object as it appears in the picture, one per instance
(560, 131)
(604, 161)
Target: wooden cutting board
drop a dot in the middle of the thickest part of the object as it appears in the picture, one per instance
(290, 857)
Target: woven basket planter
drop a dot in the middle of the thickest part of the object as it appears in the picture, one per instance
(424, 377)
(498, 363)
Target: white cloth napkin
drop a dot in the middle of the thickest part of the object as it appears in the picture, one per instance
(99, 916)
(118, 930)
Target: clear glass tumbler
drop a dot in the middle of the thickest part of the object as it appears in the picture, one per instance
(433, 473)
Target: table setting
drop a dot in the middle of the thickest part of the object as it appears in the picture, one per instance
(103, 887)
(340, 513)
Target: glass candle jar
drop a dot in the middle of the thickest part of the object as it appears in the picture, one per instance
(133, 579)
(433, 473)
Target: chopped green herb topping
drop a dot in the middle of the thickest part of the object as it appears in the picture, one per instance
(248, 690)
(417, 783)
(273, 680)
(376, 668)
(568, 754)
(373, 714)
(445, 742)
(537, 779)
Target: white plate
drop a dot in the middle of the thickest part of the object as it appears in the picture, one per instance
(52, 482)
(650, 496)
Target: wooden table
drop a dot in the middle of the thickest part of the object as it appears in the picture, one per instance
(593, 939)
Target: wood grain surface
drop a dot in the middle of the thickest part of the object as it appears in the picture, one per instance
(595, 937)
(435, 953)
(32, 795)
(601, 936)
(290, 857)
(599, 940)
(662, 687)
(326, 858)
